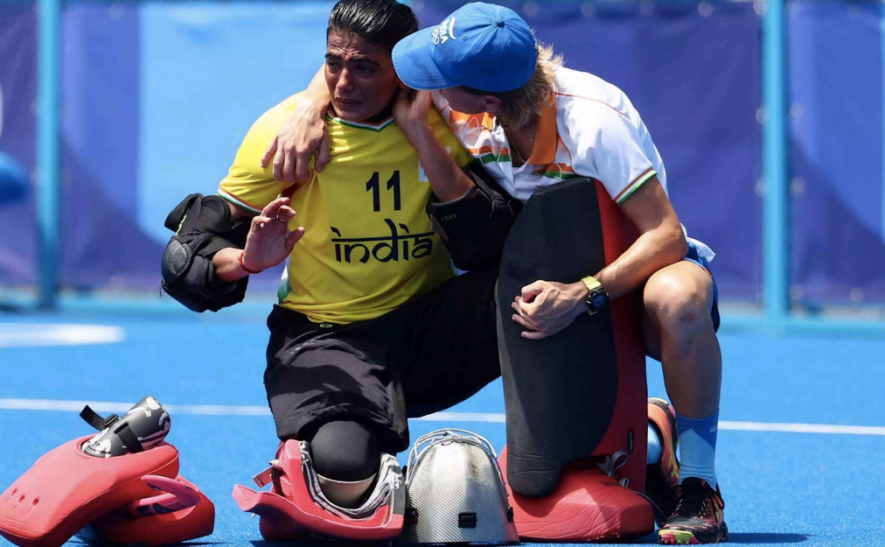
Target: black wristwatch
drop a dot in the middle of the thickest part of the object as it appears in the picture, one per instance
(597, 299)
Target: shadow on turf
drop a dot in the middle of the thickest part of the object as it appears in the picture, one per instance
(78, 541)
(758, 538)
(765, 538)
(264, 543)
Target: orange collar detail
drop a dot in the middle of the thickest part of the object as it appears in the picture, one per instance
(544, 149)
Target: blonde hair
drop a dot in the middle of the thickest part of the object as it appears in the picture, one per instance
(518, 106)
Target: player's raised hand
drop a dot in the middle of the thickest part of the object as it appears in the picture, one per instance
(270, 241)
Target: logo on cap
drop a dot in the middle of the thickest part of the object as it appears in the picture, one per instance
(444, 31)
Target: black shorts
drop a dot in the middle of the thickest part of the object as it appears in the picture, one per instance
(423, 357)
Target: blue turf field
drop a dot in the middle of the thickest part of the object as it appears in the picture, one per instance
(809, 488)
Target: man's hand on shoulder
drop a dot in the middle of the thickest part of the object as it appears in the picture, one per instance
(303, 133)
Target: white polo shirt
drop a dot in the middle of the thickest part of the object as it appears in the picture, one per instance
(591, 130)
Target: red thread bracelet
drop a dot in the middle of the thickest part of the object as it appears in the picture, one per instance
(243, 265)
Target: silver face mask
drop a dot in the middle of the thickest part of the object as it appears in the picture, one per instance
(455, 492)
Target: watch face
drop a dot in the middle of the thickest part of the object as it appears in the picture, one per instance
(598, 301)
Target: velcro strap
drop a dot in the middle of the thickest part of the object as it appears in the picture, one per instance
(94, 419)
(214, 244)
(176, 216)
(264, 478)
(130, 441)
(275, 475)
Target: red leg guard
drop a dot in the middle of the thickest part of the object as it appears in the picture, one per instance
(581, 394)
(290, 512)
(587, 506)
(65, 490)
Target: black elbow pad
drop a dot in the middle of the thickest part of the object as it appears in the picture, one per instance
(474, 227)
(203, 227)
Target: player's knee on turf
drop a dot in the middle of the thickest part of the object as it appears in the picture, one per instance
(346, 456)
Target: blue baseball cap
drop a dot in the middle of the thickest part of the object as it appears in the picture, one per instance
(482, 46)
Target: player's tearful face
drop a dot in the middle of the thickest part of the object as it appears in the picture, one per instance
(360, 76)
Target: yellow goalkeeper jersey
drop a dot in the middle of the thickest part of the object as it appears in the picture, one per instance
(368, 247)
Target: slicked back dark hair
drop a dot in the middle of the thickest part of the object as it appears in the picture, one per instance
(379, 22)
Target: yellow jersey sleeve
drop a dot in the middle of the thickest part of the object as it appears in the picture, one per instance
(247, 184)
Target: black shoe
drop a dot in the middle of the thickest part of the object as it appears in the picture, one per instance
(699, 516)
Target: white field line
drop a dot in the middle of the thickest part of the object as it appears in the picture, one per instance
(225, 410)
(29, 335)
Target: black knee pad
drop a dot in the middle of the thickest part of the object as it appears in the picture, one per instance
(345, 451)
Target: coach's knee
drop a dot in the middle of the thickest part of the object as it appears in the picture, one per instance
(677, 300)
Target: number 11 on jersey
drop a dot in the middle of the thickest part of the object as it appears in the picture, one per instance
(374, 186)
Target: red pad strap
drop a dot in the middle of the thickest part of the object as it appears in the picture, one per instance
(178, 495)
(264, 478)
(180, 514)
